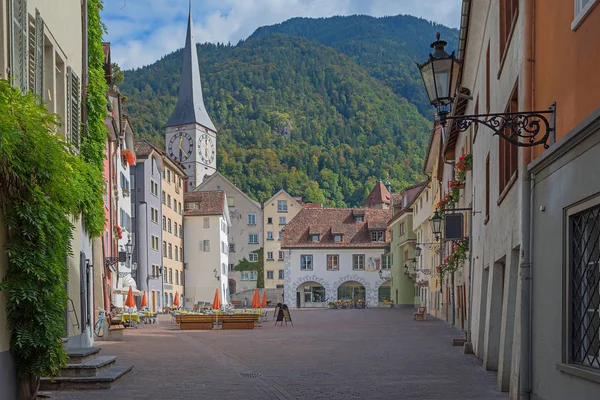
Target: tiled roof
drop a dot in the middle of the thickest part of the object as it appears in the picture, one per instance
(379, 194)
(210, 202)
(143, 148)
(328, 222)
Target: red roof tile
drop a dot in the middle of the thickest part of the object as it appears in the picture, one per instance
(210, 202)
(328, 222)
(379, 194)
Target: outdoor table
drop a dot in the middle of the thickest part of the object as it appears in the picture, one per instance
(126, 317)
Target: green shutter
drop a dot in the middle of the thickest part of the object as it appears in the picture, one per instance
(19, 44)
(73, 108)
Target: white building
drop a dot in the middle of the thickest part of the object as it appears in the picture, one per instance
(334, 254)
(125, 159)
(206, 250)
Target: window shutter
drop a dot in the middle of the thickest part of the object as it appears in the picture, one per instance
(39, 55)
(19, 44)
(73, 108)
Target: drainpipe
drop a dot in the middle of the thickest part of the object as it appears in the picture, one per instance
(526, 215)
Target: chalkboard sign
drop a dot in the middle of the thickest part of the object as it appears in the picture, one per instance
(283, 315)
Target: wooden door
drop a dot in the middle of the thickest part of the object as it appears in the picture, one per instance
(153, 301)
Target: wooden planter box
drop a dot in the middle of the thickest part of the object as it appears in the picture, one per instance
(386, 305)
(195, 322)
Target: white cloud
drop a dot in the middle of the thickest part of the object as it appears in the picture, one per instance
(142, 31)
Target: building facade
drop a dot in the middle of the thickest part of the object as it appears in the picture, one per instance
(245, 236)
(51, 68)
(334, 254)
(278, 211)
(146, 184)
(123, 229)
(564, 193)
(172, 230)
(406, 283)
(191, 137)
(206, 248)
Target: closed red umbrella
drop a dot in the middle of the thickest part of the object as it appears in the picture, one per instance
(264, 300)
(216, 305)
(176, 299)
(130, 302)
(144, 302)
(255, 299)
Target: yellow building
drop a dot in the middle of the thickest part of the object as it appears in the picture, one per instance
(430, 257)
(278, 211)
(172, 225)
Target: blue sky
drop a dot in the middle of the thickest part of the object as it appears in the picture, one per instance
(142, 31)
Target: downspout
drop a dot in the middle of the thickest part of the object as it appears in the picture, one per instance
(526, 195)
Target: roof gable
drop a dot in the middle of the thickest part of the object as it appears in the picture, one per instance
(331, 222)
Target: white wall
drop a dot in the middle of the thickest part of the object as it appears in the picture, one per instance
(331, 280)
(200, 281)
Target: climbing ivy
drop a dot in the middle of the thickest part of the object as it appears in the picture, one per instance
(94, 140)
(259, 267)
(43, 185)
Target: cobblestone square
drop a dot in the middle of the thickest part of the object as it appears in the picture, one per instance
(326, 354)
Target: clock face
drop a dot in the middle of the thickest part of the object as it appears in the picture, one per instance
(206, 149)
(181, 146)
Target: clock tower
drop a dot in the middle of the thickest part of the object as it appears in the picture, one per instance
(191, 137)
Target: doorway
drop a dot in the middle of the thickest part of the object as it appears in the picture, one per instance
(153, 301)
(298, 300)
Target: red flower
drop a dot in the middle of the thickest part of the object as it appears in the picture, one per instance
(128, 156)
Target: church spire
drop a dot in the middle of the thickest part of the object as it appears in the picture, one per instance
(190, 104)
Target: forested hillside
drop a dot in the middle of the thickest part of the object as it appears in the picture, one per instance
(291, 113)
(387, 47)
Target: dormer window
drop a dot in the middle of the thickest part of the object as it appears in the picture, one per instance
(314, 238)
(377, 236)
(359, 218)
(337, 238)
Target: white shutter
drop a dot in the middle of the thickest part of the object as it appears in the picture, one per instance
(19, 44)
(73, 108)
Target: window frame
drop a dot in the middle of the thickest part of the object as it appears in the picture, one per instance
(250, 236)
(282, 206)
(306, 262)
(580, 12)
(580, 369)
(331, 265)
(355, 258)
(251, 218)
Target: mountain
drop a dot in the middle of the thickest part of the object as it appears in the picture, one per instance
(296, 113)
(387, 48)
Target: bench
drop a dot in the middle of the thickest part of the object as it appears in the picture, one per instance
(113, 329)
(195, 322)
(238, 321)
(420, 314)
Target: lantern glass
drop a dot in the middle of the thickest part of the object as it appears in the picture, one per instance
(436, 224)
(418, 251)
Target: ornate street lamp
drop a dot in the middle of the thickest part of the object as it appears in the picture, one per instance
(418, 251)
(405, 269)
(217, 277)
(414, 264)
(440, 75)
(436, 225)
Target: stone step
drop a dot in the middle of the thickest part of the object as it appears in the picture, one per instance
(92, 367)
(105, 380)
(78, 355)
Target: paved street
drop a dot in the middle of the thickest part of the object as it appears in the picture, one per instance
(327, 354)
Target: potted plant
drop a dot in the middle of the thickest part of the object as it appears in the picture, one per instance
(128, 156)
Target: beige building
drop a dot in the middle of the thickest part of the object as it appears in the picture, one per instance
(49, 63)
(244, 236)
(278, 211)
(172, 226)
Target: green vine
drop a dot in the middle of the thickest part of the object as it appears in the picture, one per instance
(94, 140)
(259, 267)
(43, 184)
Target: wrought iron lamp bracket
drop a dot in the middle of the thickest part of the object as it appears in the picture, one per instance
(109, 261)
(523, 129)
